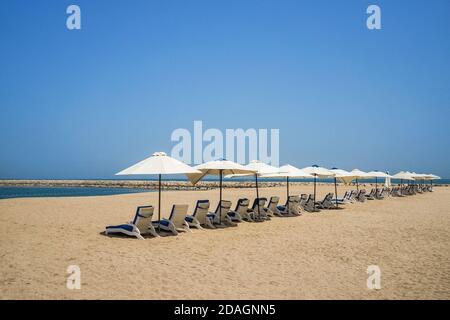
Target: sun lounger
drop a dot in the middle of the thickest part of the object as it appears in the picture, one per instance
(310, 204)
(354, 195)
(327, 202)
(176, 221)
(199, 217)
(303, 199)
(241, 213)
(220, 216)
(141, 224)
(371, 195)
(293, 203)
(271, 208)
(345, 199)
(262, 215)
(361, 195)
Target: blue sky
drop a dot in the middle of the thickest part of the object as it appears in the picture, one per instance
(87, 103)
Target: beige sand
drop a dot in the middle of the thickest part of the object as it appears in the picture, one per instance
(316, 256)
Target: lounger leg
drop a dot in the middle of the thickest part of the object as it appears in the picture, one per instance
(137, 233)
(209, 223)
(195, 223)
(187, 228)
(152, 231)
(172, 228)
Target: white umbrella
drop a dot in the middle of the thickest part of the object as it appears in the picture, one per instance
(378, 174)
(433, 177)
(343, 176)
(218, 167)
(260, 168)
(316, 172)
(159, 163)
(287, 171)
(402, 175)
(358, 174)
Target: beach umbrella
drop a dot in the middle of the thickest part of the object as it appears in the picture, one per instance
(287, 171)
(159, 164)
(358, 174)
(260, 168)
(318, 172)
(343, 176)
(402, 175)
(378, 174)
(433, 177)
(219, 168)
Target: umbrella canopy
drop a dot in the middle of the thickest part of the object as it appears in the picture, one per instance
(260, 168)
(358, 174)
(159, 163)
(402, 175)
(288, 171)
(378, 174)
(318, 172)
(218, 168)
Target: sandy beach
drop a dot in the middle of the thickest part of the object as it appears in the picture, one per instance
(316, 256)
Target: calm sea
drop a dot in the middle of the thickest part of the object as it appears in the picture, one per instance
(20, 192)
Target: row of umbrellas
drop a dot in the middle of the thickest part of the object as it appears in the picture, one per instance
(161, 164)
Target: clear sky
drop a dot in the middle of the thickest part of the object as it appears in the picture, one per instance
(88, 103)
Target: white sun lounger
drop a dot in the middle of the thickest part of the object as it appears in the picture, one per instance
(327, 202)
(220, 216)
(293, 202)
(310, 204)
(241, 212)
(262, 212)
(176, 221)
(199, 218)
(141, 224)
(271, 208)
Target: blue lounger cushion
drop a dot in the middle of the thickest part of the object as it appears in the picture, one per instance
(126, 227)
(161, 222)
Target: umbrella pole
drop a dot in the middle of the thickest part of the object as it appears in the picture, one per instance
(376, 184)
(357, 185)
(335, 192)
(287, 195)
(159, 204)
(315, 178)
(220, 201)
(257, 195)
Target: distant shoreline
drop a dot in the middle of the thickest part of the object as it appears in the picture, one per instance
(153, 185)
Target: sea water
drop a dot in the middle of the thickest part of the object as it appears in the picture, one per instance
(20, 192)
